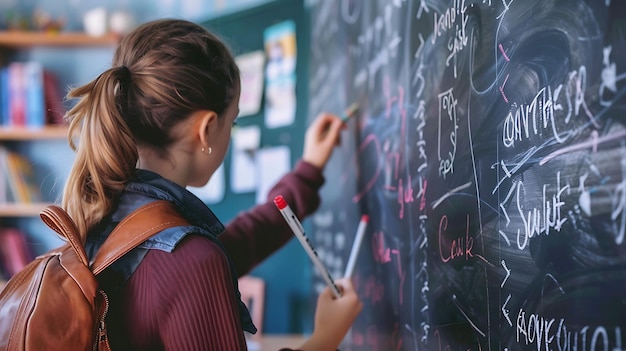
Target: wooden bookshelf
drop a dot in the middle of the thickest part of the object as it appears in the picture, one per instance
(21, 209)
(12, 43)
(21, 39)
(42, 133)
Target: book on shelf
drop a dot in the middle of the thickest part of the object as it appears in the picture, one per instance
(35, 114)
(15, 253)
(4, 96)
(17, 95)
(55, 110)
(29, 96)
(4, 196)
(17, 179)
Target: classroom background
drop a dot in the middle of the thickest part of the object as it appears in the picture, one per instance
(287, 275)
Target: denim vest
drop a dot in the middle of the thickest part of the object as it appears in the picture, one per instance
(146, 187)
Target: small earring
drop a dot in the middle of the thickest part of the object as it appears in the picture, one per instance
(210, 150)
(207, 151)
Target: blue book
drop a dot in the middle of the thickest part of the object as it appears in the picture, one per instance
(35, 102)
(4, 96)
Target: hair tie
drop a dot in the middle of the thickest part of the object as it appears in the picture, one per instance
(124, 77)
(124, 74)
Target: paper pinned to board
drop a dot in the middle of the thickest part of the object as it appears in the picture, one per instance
(246, 138)
(246, 141)
(251, 67)
(280, 74)
(272, 164)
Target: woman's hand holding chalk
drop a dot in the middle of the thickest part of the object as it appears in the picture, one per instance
(349, 112)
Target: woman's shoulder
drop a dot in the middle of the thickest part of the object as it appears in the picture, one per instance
(195, 259)
(191, 250)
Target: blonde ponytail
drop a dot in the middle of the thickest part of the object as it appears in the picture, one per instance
(106, 153)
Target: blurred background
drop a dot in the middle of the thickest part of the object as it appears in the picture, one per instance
(287, 274)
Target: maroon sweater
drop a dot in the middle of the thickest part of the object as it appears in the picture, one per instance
(185, 300)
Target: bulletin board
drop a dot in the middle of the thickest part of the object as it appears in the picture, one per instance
(285, 272)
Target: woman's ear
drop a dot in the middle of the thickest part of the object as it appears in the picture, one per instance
(206, 123)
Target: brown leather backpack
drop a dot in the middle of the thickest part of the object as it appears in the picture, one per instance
(54, 303)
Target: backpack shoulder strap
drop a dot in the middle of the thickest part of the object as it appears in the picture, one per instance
(58, 220)
(136, 228)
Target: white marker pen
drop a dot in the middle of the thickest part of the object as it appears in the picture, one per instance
(298, 231)
(354, 253)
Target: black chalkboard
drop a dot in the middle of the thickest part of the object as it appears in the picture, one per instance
(490, 155)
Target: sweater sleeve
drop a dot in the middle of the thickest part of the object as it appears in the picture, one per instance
(254, 235)
(187, 298)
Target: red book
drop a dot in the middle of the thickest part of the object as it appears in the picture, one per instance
(14, 251)
(55, 111)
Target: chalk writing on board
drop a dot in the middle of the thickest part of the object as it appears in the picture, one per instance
(490, 155)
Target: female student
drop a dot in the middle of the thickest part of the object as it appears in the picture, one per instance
(157, 121)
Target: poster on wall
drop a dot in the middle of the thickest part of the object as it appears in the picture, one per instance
(279, 158)
(251, 72)
(280, 74)
(243, 172)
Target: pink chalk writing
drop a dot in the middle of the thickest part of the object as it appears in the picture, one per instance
(379, 251)
(374, 290)
(503, 53)
(459, 247)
